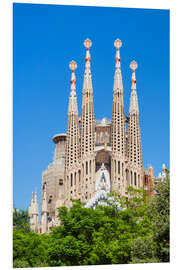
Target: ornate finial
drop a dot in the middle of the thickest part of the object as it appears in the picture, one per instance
(133, 65)
(32, 195)
(87, 43)
(72, 65)
(118, 44)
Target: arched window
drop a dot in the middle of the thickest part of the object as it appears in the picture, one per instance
(135, 179)
(86, 167)
(90, 166)
(127, 176)
(118, 167)
(75, 178)
(71, 180)
(139, 181)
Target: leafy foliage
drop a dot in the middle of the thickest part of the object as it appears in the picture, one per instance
(135, 232)
(21, 220)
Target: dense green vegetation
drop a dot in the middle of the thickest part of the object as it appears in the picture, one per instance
(137, 234)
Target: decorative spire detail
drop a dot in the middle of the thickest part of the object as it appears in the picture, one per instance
(134, 108)
(118, 45)
(87, 76)
(44, 200)
(87, 44)
(73, 108)
(118, 85)
(73, 66)
(35, 204)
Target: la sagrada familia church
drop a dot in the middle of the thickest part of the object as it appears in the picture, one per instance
(94, 157)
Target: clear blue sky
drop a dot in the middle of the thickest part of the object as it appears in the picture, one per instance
(45, 39)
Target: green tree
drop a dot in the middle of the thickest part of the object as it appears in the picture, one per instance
(21, 220)
(159, 212)
(29, 249)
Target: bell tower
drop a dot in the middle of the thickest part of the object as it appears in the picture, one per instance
(118, 127)
(87, 130)
(134, 136)
(72, 165)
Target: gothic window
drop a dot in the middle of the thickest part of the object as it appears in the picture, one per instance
(75, 178)
(118, 167)
(71, 180)
(127, 175)
(90, 166)
(86, 167)
(122, 169)
(135, 178)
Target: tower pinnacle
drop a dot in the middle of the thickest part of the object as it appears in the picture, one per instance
(73, 99)
(87, 44)
(87, 75)
(73, 66)
(118, 85)
(118, 45)
(133, 66)
(134, 108)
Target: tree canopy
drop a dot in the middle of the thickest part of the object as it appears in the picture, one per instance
(138, 232)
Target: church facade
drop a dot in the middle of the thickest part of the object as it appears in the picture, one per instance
(94, 157)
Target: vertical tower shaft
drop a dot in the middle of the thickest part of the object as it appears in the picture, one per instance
(87, 129)
(72, 142)
(134, 136)
(118, 127)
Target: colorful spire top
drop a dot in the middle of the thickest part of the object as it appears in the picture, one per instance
(133, 100)
(73, 66)
(87, 44)
(118, 45)
(133, 66)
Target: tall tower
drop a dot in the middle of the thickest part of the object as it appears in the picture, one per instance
(134, 136)
(33, 213)
(44, 212)
(87, 131)
(118, 128)
(72, 165)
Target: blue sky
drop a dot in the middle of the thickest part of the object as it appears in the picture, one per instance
(45, 39)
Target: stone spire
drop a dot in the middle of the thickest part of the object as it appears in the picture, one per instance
(44, 201)
(72, 159)
(73, 108)
(134, 136)
(44, 212)
(118, 85)
(118, 125)
(134, 108)
(35, 204)
(87, 126)
(33, 213)
(72, 140)
(87, 85)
